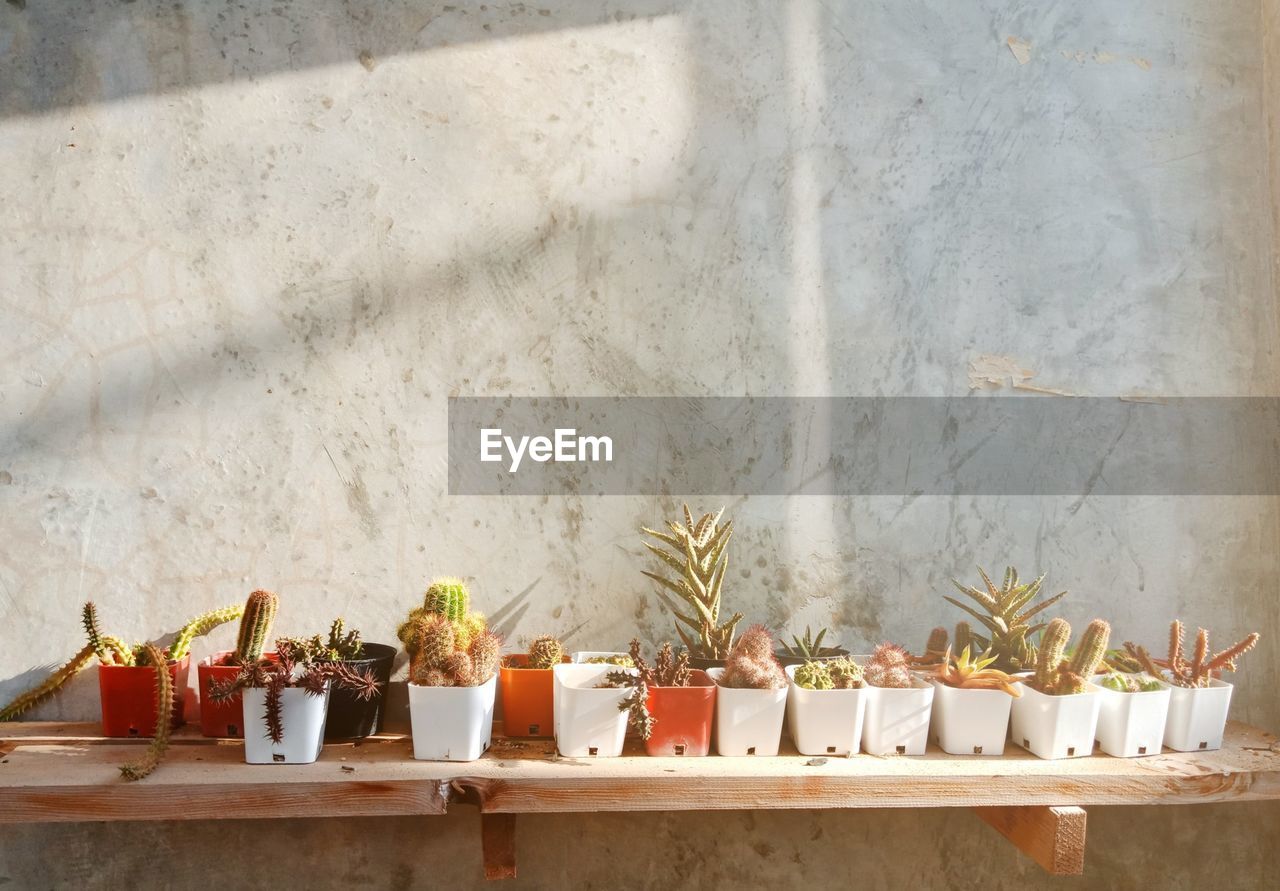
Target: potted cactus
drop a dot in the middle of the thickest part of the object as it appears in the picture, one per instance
(670, 705)
(352, 715)
(697, 552)
(825, 706)
(752, 697)
(527, 684)
(898, 704)
(453, 666)
(1131, 713)
(808, 648)
(285, 699)
(1057, 714)
(1199, 700)
(971, 704)
(1005, 613)
(226, 718)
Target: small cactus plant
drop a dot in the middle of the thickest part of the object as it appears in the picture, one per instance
(1058, 676)
(545, 652)
(438, 658)
(1201, 668)
(669, 670)
(830, 674)
(255, 626)
(751, 663)
(150, 760)
(889, 666)
(447, 597)
(1122, 683)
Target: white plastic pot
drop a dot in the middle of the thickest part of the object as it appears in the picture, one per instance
(748, 722)
(1131, 724)
(588, 722)
(451, 723)
(302, 716)
(824, 722)
(970, 722)
(1197, 717)
(1055, 726)
(897, 720)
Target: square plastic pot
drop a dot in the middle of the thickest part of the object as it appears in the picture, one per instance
(302, 716)
(1197, 717)
(588, 722)
(825, 722)
(1053, 727)
(683, 717)
(897, 720)
(970, 722)
(748, 722)
(528, 698)
(1131, 724)
(219, 719)
(451, 723)
(128, 696)
(351, 717)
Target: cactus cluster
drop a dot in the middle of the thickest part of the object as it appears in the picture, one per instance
(447, 597)
(938, 644)
(668, 670)
(1006, 614)
(697, 552)
(1057, 675)
(751, 663)
(449, 646)
(889, 666)
(545, 652)
(830, 674)
(1201, 668)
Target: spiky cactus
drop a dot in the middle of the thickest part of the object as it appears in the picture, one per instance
(1091, 649)
(889, 666)
(845, 673)
(200, 626)
(697, 552)
(1005, 613)
(255, 626)
(545, 652)
(344, 644)
(437, 658)
(152, 655)
(1057, 676)
(814, 676)
(751, 663)
(1200, 670)
(448, 597)
(1053, 646)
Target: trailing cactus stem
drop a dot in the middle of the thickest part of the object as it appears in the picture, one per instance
(164, 718)
(49, 685)
(200, 626)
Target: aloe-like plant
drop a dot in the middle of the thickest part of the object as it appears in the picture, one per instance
(1006, 612)
(967, 672)
(696, 551)
(809, 646)
(1203, 665)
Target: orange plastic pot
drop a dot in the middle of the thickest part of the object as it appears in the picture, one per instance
(219, 718)
(129, 698)
(682, 718)
(527, 705)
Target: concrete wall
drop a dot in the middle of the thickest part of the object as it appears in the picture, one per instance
(247, 251)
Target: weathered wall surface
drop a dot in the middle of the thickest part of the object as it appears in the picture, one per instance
(247, 252)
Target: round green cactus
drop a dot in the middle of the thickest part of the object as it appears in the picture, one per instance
(814, 676)
(448, 597)
(545, 652)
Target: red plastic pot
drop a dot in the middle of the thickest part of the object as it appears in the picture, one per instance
(527, 703)
(682, 718)
(219, 718)
(129, 698)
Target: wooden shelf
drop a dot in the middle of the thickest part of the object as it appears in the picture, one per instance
(65, 772)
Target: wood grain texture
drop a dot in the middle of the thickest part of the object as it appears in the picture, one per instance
(1054, 837)
(498, 845)
(60, 773)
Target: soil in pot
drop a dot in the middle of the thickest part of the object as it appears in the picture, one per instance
(128, 696)
(528, 698)
(351, 717)
(682, 717)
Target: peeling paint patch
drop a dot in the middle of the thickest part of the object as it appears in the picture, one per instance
(988, 372)
(1020, 48)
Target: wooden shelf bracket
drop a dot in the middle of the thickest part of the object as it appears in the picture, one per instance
(1051, 836)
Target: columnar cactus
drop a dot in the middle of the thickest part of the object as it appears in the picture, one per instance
(545, 652)
(1200, 670)
(1053, 646)
(1058, 676)
(255, 626)
(751, 663)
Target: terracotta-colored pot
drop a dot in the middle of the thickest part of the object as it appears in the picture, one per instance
(528, 708)
(219, 718)
(682, 717)
(129, 698)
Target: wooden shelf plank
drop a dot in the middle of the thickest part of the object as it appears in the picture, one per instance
(1054, 837)
(64, 773)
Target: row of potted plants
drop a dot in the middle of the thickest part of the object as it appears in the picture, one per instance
(1014, 678)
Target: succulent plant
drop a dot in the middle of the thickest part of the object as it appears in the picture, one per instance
(809, 647)
(1122, 683)
(1121, 661)
(439, 658)
(150, 760)
(830, 674)
(447, 597)
(545, 652)
(620, 659)
(1201, 668)
(293, 667)
(255, 626)
(1005, 613)
(968, 673)
(889, 666)
(669, 670)
(340, 646)
(751, 663)
(697, 552)
(1058, 676)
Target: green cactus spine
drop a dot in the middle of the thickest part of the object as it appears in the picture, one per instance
(136, 770)
(545, 652)
(255, 626)
(448, 597)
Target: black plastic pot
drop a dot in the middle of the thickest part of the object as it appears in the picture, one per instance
(703, 663)
(351, 717)
(784, 659)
